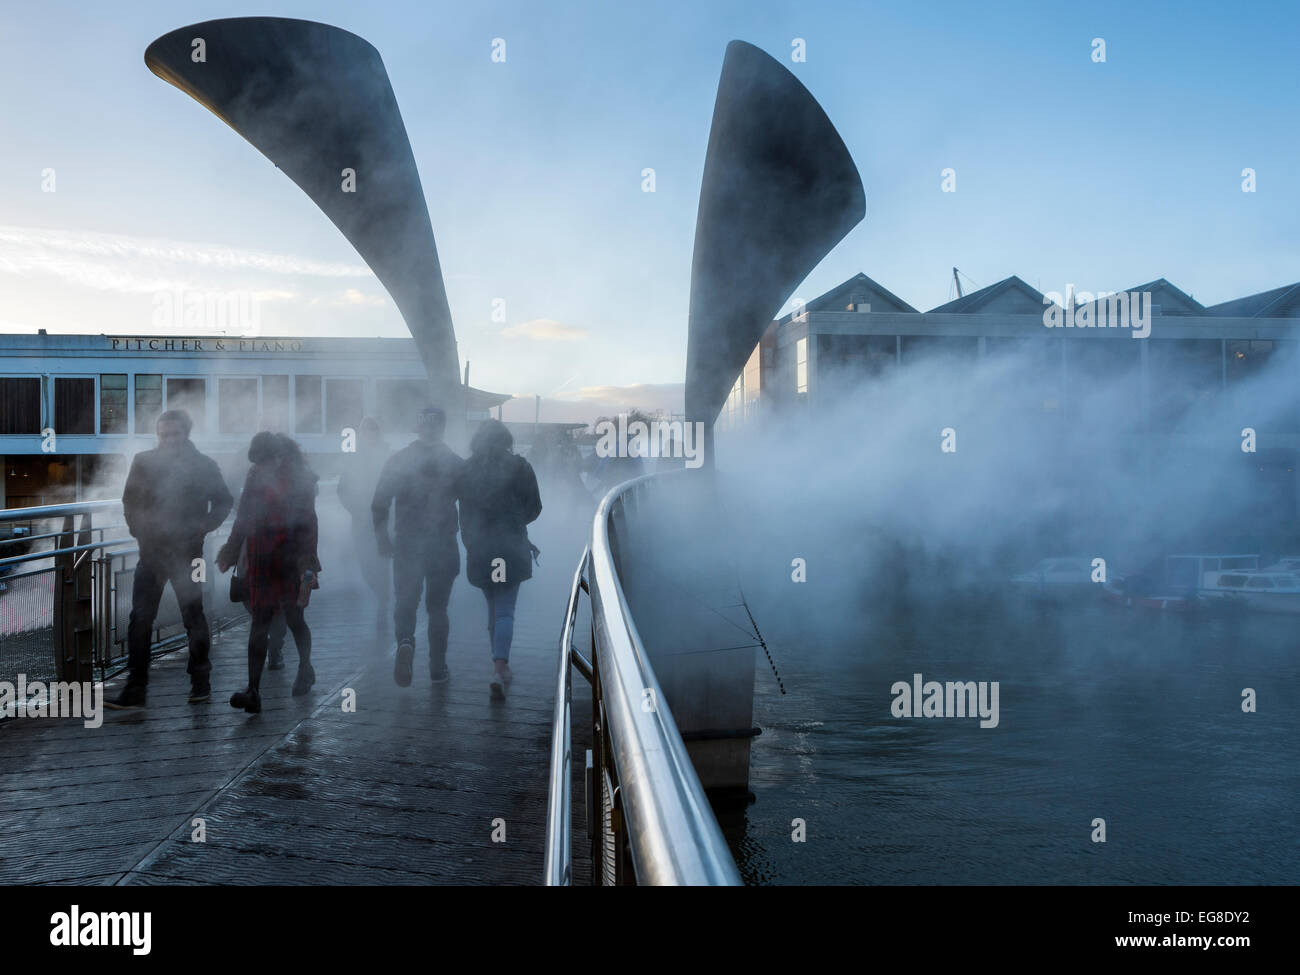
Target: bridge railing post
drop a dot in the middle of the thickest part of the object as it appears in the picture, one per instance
(73, 612)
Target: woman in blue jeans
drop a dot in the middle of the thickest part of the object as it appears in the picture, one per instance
(498, 499)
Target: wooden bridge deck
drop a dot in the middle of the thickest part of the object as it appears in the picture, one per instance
(403, 791)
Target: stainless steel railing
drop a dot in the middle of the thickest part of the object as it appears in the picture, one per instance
(64, 602)
(649, 818)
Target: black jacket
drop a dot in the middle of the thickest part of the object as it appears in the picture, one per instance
(173, 499)
(420, 482)
(498, 499)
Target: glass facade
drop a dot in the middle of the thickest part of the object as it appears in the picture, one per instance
(112, 403)
(307, 413)
(275, 403)
(237, 406)
(20, 405)
(148, 402)
(74, 405)
(189, 395)
(342, 405)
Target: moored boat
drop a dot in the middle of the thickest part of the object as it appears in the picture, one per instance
(1261, 591)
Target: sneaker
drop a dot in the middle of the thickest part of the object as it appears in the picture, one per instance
(402, 667)
(131, 699)
(248, 699)
(497, 686)
(199, 694)
(276, 660)
(438, 673)
(302, 683)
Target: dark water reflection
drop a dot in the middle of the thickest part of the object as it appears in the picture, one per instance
(1106, 713)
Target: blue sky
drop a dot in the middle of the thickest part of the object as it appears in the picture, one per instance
(1101, 175)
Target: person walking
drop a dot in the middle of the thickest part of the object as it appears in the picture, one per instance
(356, 490)
(419, 484)
(174, 496)
(498, 500)
(277, 519)
(279, 627)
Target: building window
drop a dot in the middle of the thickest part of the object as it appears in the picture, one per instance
(342, 404)
(1184, 375)
(306, 404)
(275, 403)
(148, 402)
(189, 395)
(20, 406)
(731, 412)
(112, 404)
(74, 406)
(399, 401)
(236, 406)
(801, 365)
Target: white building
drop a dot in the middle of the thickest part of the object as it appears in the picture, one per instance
(75, 408)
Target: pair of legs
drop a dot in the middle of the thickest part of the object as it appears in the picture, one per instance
(259, 632)
(290, 617)
(152, 574)
(501, 621)
(279, 629)
(501, 632)
(431, 570)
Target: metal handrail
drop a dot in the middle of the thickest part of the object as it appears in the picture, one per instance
(49, 553)
(77, 555)
(56, 510)
(16, 539)
(559, 812)
(672, 833)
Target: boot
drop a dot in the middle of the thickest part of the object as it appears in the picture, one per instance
(249, 699)
(132, 698)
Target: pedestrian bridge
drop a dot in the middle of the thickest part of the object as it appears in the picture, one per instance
(408, 789)
(419, 785)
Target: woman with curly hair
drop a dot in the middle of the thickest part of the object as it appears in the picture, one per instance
(277, 519)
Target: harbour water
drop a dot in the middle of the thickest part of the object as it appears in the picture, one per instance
(1132, 717)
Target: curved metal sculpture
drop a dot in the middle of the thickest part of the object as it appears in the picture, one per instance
(779, 191)
(316, 101)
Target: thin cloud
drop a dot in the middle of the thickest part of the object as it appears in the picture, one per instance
(135, 265)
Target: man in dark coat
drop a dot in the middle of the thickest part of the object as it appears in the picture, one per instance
(419, 482)
(173, 497)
